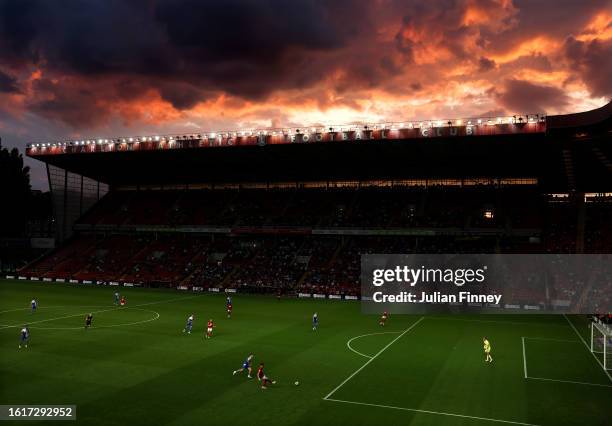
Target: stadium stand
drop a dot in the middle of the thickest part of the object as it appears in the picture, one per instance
(261, 214)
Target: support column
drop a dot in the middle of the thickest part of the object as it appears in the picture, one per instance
(580, 221)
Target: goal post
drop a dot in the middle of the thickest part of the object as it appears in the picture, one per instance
(601, 343)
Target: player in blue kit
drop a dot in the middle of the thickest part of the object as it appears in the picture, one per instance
(246, 365)
(34, 305)
(24, 337)
(315, 321)
(189, 325)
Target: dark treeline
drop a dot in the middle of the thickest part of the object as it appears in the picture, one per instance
(19, 204)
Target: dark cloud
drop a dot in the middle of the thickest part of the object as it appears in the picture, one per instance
(95, 54)
(592, 61)
(536, 61)
(8, 84)
(243, 47)
(62, 101)
(520, 96)
(486, 64)
(404, 45)
(256, 31)
(493, 113)
(90, 37)
(550, 18)
(390, 65)
(181, 95)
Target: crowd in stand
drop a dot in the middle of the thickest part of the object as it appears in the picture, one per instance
(305, 264)
(380, 208)
(310, 262)
(604, 318)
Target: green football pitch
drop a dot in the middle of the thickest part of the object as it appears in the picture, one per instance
(135, 366)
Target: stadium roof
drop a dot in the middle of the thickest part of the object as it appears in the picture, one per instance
(549, 149)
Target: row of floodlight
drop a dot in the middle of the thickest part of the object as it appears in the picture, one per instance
(288, 132)
(111, 141)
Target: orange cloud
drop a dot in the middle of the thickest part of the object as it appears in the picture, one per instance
(494, 14)
(385, 60)
(533, 46)
(600, 27)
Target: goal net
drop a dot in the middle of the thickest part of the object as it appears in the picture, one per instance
(601, 343)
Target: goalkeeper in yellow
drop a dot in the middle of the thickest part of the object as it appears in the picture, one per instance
(487, 350)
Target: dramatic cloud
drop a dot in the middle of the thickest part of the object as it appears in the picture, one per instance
(245, 48)
(525, 97)
(486, 64)
(8, 84)
(592, 60)
(105, 67)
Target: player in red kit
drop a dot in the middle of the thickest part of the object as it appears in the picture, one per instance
(229, 310)
(209, 328)
(383, 318)
(262, 378)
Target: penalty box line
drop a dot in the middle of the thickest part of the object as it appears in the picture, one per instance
(372, 359)
(545, 379)
(587, 346)
(414, 410)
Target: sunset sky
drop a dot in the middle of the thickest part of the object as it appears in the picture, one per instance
(103, 68)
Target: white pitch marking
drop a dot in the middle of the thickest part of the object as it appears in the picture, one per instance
(348, 344)
(439, 413)
(524, 358)
(52, 307)
(587, 346)
(127, 324)
(96, 312)
(373, 358)
(569, 381)
(551, 340)
(47, 307)
(526, 323)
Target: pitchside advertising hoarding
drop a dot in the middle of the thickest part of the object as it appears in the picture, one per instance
(486, 283)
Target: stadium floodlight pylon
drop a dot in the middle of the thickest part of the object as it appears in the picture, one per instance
(601, 342)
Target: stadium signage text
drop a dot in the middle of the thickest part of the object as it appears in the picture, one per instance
(353, 133)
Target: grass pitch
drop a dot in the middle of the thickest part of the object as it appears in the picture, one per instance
(135, 366)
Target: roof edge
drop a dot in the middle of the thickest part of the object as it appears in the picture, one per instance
(580, 119)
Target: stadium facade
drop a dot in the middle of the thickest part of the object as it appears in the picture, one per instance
(560, 154)
(292, 209)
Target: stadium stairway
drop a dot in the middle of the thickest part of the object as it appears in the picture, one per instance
(228, 276)
(30, 265)
(586, 292)
(228, 204)
(304, 274)
(602, 158)
(199, 257)
(569, 169)
(339, 249)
